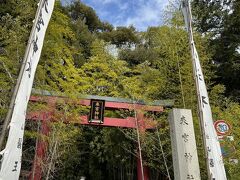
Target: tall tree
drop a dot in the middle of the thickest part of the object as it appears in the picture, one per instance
(227, 54)
(121, 36)
(78, 10)
(220, 20)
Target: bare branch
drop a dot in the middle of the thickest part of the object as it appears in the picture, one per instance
(8, 72)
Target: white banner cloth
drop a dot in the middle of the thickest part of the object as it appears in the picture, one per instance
(215, 164)
(12, 154)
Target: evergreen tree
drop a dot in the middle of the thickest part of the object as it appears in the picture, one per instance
(220, 20)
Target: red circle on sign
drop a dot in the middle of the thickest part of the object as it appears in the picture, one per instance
(222, 127)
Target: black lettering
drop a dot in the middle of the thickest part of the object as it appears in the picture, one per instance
(29, 69)
(204, 101)
(40, 22)
(188, 156)
(183, 121)
(190, 176)
(185, 137)
(45, 5)
(15, 166)
(19, 145)
(35, 46)
(211, 162)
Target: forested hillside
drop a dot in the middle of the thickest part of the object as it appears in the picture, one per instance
(78, 58)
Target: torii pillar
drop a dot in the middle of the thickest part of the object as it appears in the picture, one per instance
(110, 103)
(141, 127)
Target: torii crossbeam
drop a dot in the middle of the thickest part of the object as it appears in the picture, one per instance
(111, 103)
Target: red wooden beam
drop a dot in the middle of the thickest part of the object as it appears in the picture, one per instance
(128, 122)
(108, 104)
(42, 116)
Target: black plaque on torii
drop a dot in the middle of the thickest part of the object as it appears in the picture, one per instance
(97, 111)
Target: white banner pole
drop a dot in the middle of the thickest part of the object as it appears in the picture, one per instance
(12, 154)
(215, 165)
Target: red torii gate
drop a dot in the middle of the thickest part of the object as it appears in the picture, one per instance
(110, 104)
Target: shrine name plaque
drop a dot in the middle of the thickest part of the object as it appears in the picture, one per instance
(97, 111)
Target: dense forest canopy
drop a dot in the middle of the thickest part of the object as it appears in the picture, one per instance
(150, 65)
(220, 21)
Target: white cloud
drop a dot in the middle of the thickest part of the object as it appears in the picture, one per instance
(108, 1)
(147, 13)
(123, 6)
(140, 13)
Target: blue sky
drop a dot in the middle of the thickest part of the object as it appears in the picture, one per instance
(140, 13)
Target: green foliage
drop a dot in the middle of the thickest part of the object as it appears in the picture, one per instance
(148, 84)
(151, 65)
(24, 9)
(14, 32)
(210, 15)
(137, 56)
(102, 74)
(220, 20)
(56, 70)
(231, 114)
(122, 36)
(84, 41)
(78, 10)
(61, 144)
(227, 52)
